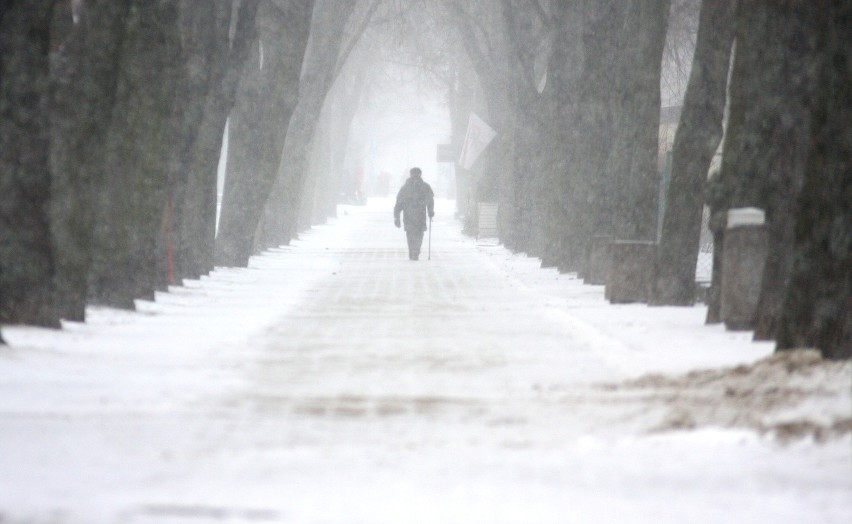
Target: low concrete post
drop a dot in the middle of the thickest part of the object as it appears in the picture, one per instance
(744, 256)
(631, 270)
(597, 260)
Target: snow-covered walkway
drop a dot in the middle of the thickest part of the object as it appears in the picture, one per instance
(334, 381)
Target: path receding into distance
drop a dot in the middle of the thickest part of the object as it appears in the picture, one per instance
(334, 381)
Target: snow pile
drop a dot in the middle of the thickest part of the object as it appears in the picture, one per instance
(788, 395)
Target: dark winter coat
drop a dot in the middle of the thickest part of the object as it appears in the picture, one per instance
(415, 200)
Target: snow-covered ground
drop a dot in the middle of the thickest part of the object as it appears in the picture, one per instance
(334, 381)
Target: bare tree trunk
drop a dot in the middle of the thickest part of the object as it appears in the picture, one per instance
(197, 228)
(27, 263)
(519, 27)
(461, 95)
(490, 62)
(497, 163)
(788, 59)
(562, 103)
(320, 167)
(735, 185)
(763, 164)
(280, 214)
(631, 171)
(351, 92)
(131, 208)
(203, 35)
(817, 310)
(341, 105)
(580, 212)
(265, 102)
(714, 293)
(83, 94)
(697, 138)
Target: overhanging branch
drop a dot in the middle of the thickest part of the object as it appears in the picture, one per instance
(356, 36)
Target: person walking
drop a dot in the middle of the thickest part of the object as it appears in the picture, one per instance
(415, 201)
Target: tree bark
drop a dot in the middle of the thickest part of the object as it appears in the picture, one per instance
(203, 32)
(343, 111)
(565, 68)
(579, 213)
(131, 208)
(490, 57)
(522, 35)
(281, 211)
(258, 125)
(83, 93)
(696, 141)
(319, 166)
(631, 174)
(763, 161)
(27, 259)
(718, 197)
(461, 94)
(817, 309)
(788, 58)
(323, 185)
(196, 232)
(735, 184)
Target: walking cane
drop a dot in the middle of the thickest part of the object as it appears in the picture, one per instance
(430, 239)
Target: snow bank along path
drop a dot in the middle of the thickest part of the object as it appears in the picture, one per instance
(334, 381)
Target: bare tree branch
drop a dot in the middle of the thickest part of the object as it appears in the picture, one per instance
(356, 36)
(543, 17)
(481, 62)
